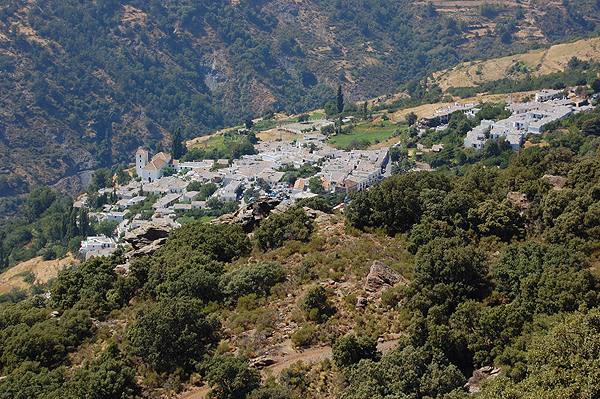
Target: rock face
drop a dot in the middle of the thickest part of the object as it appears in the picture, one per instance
(147, 235)
(145, 240)
(472, 386)
(556, 181)
(518, 199)
(382, 276)
(249, 216)
(261, 362)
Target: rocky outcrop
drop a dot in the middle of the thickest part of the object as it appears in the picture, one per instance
(261, 362)
(148, 249)
(146, 235)
(145, 240)
(556, 181)
(518, 199)
(382, 276)
(361, 302)
(473, 385)
(249, 216)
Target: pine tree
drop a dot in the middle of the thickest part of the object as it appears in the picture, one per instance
(340, 99)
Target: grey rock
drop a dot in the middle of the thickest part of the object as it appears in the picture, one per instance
(556, 181)
(486, 372)
(147, 235)
(147, 249)
(249, 216)
(382, 276)
(361, 302)
(261, 362)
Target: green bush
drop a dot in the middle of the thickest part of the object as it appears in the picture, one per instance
(318, 204)
(304, 336)
(221, 242)
(231, 378)
(349, 350)
(174, 333)
(249, 279)
(274, 231)
(315, 304)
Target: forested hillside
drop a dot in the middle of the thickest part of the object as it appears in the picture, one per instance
(481, 281)
(84, 83)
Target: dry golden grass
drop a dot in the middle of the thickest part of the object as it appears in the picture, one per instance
(274, 134)
(43, 271)
(543, 62)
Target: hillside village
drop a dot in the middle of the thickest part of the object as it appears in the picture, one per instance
(341, 172)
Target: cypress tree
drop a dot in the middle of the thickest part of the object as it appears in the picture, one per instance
(84, 222)
(340, 99)
(176, 145)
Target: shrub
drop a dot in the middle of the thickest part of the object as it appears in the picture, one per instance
(293, 224)
(220, 242)
(315, 304)
(304, 336)
(348, 350)
(231, 378)
(175, 333)
(392, 296)
(256, 278)
(318, 204)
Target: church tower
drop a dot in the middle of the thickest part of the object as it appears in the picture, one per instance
(141, 160)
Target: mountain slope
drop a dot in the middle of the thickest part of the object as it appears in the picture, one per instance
(85, 83)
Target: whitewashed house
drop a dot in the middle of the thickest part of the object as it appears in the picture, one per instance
(94, 243)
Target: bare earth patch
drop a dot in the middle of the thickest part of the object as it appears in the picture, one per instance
(43, 272)
(541, 62)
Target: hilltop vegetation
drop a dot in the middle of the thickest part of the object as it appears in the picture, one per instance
(86, 83)
(485, 282)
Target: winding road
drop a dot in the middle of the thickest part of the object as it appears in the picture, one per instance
(289, 357)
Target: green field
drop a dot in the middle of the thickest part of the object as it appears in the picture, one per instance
(219, 141)
(316, 115)
(264, 125)
(378, 132)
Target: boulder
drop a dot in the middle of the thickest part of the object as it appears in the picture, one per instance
(147, 249)
(556, 181)
(518, 199)
(473, 385)
(382, 276)
(249, 216)
(147, 234)
(261, 362)
(361, 302)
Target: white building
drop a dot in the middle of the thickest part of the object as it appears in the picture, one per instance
(525, 119)
(95, 243)
(231, 192)
(141, 160)
(151, 170)
(546, 95)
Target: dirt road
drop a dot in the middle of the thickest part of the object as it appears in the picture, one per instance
(289, 356)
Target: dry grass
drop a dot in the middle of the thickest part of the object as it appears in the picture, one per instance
(542, 62)
(275, 134)
(43, 271)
